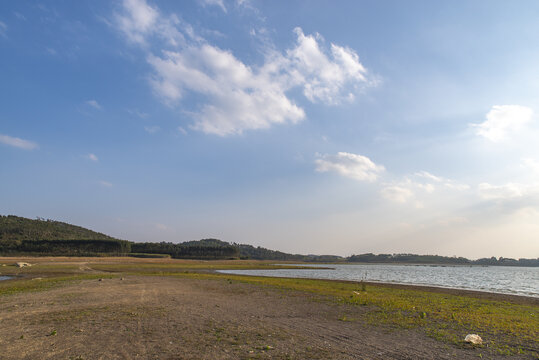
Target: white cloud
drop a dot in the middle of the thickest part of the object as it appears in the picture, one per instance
(501, 192)
(105, 183)
(397, 193)
(3, 29)
(503, 120)
(18, 142)
(324, 79)
(240, 98)
(138, 21)
(429, 176)
(353, 166)
(237, 96)
(152, 129)
(418, 186)
(219, 3)
(94, 104)
(448, 183)
(92, 157)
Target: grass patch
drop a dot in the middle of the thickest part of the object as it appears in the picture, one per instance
(507, 328)
(141, 268)
(11, 287)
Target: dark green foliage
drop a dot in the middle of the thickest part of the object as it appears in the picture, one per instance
(202, 249)
(206, 242)
(67, 247)
(507, 262)
(150, 256)
(15, 228)
(439, 260)
(19, 235)
(407, 258)
(260, 253)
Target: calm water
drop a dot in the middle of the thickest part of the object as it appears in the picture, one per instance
(4, 278)
(499, 279)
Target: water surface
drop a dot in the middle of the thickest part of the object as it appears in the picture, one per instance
(497, 279)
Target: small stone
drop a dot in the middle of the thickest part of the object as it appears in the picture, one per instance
(100, 279)
(474, 339)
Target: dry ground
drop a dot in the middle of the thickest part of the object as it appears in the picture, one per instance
(151, 317)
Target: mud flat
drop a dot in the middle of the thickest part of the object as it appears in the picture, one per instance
(126, 309)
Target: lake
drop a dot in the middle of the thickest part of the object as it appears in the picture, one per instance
(498, 279)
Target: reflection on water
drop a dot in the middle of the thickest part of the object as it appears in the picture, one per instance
(500, 279)
(4, 278)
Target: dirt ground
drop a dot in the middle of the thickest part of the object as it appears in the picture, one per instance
(143, 317)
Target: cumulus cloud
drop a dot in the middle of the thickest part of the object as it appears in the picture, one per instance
(94, 104)
(503, 120)
(18, 142)
(237, 96)
(138, 21)
(357, 167)
(92, 157)
(240, 98)
(325, 78)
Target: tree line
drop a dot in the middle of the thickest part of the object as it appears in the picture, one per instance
(437, 259)
(22, 236)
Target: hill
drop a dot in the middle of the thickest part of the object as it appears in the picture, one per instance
(19, 235)
(40, 237)
(16, 228)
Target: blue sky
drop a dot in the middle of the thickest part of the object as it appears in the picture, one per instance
(302, 126)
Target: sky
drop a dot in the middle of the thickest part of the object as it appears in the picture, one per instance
(310, 127)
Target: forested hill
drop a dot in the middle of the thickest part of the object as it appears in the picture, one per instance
(16, 228)
(22, 236)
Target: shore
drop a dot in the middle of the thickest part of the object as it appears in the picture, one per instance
(123, 308)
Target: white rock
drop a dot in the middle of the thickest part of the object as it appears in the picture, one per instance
(22, 264)
(474, 339)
